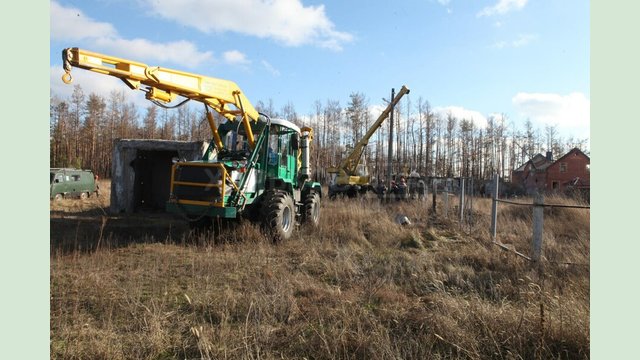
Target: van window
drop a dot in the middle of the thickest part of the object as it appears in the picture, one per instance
(75, 177)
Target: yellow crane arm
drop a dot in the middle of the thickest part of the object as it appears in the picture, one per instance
(350, 163)
(163, 84)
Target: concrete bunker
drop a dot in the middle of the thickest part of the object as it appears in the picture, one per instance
(141, 172)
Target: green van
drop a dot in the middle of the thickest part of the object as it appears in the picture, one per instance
(67, 183)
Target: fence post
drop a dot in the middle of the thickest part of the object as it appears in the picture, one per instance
(446, 204)
(433, 196)
(424, 199)
(471, 195)
(538, 225)
(461, 204)
(494, 208)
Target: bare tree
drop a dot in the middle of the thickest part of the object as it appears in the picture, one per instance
(94, 117)
(77, 100)
(150, 122)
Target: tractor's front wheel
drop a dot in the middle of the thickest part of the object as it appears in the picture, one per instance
(311, 214)
(279, 215)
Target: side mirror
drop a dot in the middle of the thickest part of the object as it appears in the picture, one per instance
(295, 141)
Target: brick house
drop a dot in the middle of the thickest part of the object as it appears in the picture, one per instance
(542, 174)
(570, 172)
(531, 176)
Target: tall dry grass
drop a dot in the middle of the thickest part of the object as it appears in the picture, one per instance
(360, 286)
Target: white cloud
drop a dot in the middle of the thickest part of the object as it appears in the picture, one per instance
(502, 7)
(183, 52)
(376, 110)
(235, 57)
(569, 112)
(70, 24)
(445, 3)
(461, 113)
(500, 44)
(270, 68)
(522, 40)
(287, 21)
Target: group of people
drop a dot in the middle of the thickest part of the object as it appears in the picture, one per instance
(400, 190)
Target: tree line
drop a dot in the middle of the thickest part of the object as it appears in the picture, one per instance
(83, 129)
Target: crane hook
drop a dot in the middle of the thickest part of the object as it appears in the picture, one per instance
(66, 65)
(66, 78)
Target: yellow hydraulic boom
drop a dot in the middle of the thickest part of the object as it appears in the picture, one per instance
(163, 85)
(346, 171)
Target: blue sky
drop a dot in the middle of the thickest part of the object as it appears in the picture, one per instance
(523, 58)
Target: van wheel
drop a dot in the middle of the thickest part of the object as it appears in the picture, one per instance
(57, 197)
(84, 195)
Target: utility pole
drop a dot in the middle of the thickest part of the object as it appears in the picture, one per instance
(390, 156)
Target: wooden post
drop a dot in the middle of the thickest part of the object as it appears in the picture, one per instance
(433, 196)
(446, 204)
(538, 227)
(461, 200)
(494, 208)
(426, 196)
(471, 195)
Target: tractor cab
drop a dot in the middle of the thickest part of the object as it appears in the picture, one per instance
(283, 160)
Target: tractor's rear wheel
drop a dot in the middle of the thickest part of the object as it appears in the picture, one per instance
(311, 213)
(279, 215)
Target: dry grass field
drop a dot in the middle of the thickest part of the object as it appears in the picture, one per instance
(358, 287)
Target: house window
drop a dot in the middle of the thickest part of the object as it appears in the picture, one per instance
(563, 167)
(555, 185)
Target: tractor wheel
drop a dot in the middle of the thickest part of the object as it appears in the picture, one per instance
(311, 213)
(279, 215)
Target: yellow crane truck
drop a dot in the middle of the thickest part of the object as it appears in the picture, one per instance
(351, 177)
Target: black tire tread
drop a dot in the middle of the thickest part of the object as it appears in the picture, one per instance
(273, 204)
(311, 199)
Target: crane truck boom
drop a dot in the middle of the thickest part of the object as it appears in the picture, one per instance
(345, 178)
(260, 170)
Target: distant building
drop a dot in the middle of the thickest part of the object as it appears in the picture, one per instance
(543, 174)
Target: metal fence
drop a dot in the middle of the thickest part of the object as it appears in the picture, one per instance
(538, 206)
(465, 191)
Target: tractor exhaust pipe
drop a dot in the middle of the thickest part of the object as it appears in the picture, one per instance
(305, 148)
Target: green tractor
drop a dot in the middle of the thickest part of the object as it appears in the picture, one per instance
(255, 167)
(269, 184)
